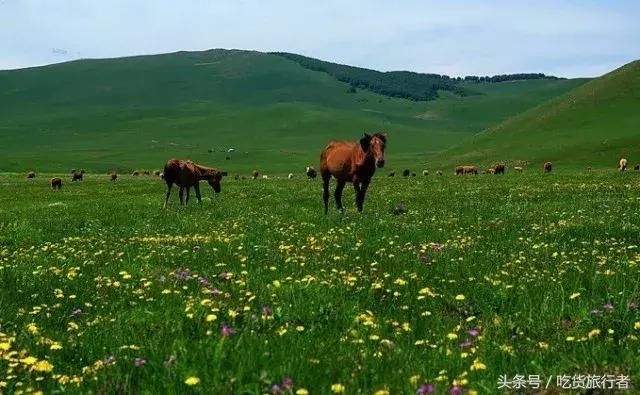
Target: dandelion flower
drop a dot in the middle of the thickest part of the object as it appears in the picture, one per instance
(593, 333)
(337, 388)
(43, 366)
(574, 295)
(460, 297)
(478, 365)
(452, 336)
(192, 380)
(302, 391)
(211, 317)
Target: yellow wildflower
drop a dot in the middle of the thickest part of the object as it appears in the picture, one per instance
(192, 380)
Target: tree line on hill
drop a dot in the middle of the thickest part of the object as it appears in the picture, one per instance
(403, 84)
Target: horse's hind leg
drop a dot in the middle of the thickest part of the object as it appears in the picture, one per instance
(196, 188)
(188, 193)
(338, 194)
(166, 199)
(325, 194)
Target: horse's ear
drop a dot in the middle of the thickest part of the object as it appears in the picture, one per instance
(367, 135)
(365, 141)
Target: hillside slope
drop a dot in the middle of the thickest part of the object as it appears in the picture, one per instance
(136, 112)
(593, 125)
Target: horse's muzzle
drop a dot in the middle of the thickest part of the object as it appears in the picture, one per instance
(380, 164)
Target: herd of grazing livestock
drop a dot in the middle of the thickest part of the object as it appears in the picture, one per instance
(352, 162)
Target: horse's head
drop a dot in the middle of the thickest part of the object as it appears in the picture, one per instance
(374, 145)
(214, 180)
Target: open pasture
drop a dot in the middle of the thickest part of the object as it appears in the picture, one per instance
(450, 281)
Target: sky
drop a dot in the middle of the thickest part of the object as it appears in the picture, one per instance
(571, 38)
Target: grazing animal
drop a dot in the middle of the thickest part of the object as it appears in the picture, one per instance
(518, 169)
(392, 174)
(499, 168)
(82, 171)
(425, 172)
(146, 173)
(254, 174)
(622, 165)
(439, 172)
(114, 176)
(76, 177)
(73, 171)
(547, 167)
(311, 172)
(459, 170)
(187, 174)
(406, 173)
(265, 177)
(236, 177)
(135, 173)
(162, 175)
(490, 170)
(31, 174)
(470, 169)
(413, 174)
(290, 176)
(354, 162)
(56, 183)
(156, 172)
(637, 168)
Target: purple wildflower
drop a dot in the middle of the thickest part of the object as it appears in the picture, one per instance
(215, 291)
(76, 312)
(455, 390)
(287, 383)
(109, 359)
(204, 282)
(475, 331)
(266, 310)
(426, 388)
(226, 330)
(466, 344)
(139, 362)
(608, 306)
(632, 304)
(596, 312)
(437, 246)
(182, 274)
(276, 390)
(223, 275)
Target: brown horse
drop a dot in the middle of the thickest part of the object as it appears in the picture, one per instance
(56, 183)
(77, 176)
(354, 162)
(114, 176)
(547, 167)
(187, 174)
(499, 168)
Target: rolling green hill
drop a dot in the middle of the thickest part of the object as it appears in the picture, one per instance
(593, 125)
(135, 112)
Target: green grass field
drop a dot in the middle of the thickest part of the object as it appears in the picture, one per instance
(132, 113)
(103, 291)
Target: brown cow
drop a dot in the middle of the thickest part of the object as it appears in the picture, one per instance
(56, 183)
(255, 174)
(114, 176)
(351, 161)
(470, 170)
(459, 170)
(499, 168)
(31, 174)
(311, 172)
(547, 167)
(187, 174)
(77, 176)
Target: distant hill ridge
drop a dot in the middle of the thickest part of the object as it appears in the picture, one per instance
(405, 84)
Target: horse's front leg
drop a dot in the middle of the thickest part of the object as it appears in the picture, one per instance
(360, 194)
(188, 193)
(181, 193)
(338, 194)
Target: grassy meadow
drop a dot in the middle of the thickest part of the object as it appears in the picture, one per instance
(449, 281)
(136, 112)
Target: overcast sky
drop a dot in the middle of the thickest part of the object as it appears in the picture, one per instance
(572, 38)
